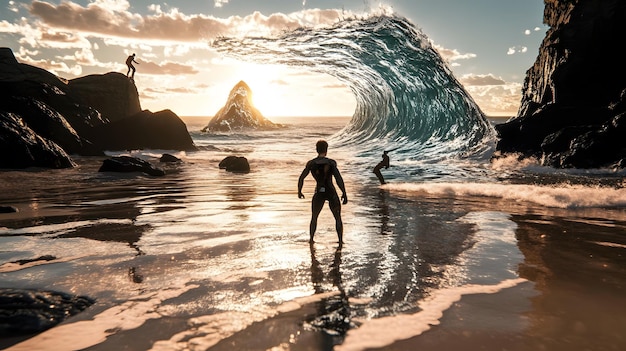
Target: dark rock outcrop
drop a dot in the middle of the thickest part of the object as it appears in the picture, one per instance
(574, 97)
(239, 113)
(127, 164)
(98, 91)
(8, 209)
(33, 311)
(144, 130)
(22, 147)
(236, 164)
(168, 158)
(43, 118)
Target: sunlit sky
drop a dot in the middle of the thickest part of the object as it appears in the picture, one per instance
(489, 44)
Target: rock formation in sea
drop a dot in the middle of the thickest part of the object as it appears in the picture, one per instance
(45, 118)
(128, 164)
(573, 108)
(239, 113)
(235, 164)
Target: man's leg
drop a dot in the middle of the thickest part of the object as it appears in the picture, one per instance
(379, 175)
(316, 207)
(335, 208)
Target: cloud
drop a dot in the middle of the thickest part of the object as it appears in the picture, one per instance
(516, 49)
(529, 32)
(176, 50)
(220, 3)
(481, 80)
(53, 66)
(6, 27)
(112, 19)
(498, 100)
(164, 68)
(451, 55)
(494, 95)
(13, 7)
(157, 93)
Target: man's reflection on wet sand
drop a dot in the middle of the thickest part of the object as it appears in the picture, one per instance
(333, 313)
(384, 211)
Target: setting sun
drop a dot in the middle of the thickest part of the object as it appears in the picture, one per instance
(286, 92)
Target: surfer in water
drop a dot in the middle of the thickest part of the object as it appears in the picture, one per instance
(381, 164)
(323, 170)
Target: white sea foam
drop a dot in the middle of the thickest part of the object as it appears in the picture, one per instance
(557, 196)
(384, 331)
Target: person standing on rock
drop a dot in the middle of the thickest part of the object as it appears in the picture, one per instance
(323, 170)
(129, 62)
(381, 164)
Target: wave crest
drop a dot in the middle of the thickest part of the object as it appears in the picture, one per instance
(407, 98)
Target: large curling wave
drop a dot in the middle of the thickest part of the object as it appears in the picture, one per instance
(407, 98)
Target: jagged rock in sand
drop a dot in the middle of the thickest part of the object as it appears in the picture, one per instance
(45, 117)
(574, 97)
(127, 164)
(239, 113)
(237, 164)
(32, 311)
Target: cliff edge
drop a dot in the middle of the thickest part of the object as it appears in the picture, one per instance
(573, 108)
(44, 118)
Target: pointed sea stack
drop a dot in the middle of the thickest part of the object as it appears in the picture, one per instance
(239, 113)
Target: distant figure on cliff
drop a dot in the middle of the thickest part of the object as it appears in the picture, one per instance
(323, 170)
(129, 63)
(381, 164)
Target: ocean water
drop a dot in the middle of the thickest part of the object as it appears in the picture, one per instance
(206, 259)
(455, 252)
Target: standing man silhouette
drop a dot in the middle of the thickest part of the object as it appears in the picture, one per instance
(129, 62)
(323, 170)
(381, 164)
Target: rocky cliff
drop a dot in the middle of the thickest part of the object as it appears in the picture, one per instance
(98, 91)
(573, 104)
(239, 113)
(44, 118)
